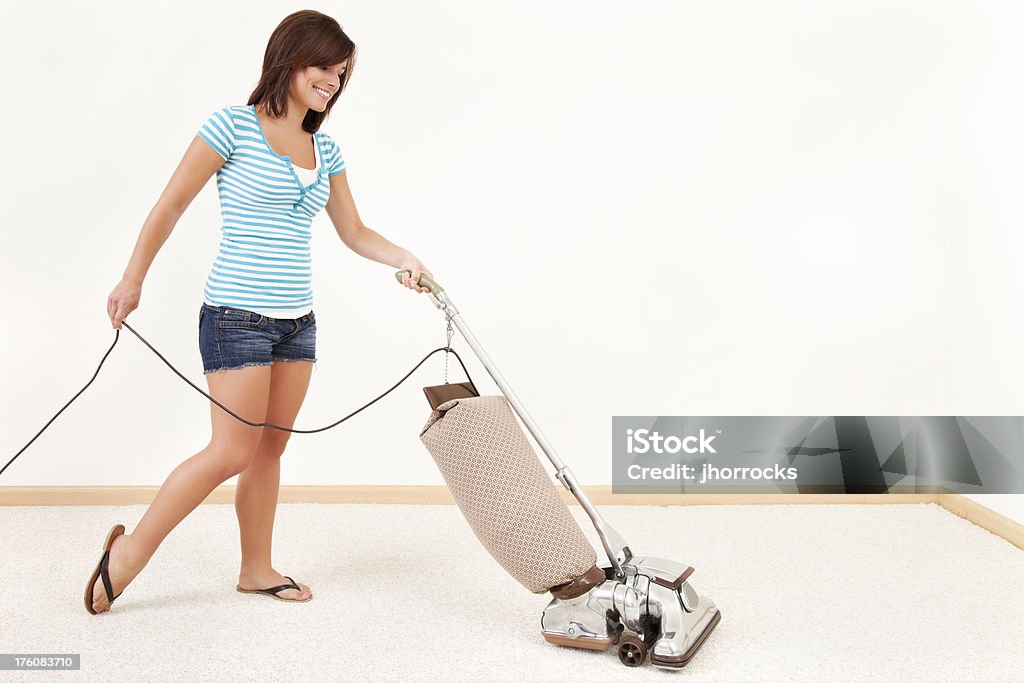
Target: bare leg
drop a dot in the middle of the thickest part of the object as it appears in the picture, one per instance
(232, 447)
(257, 491)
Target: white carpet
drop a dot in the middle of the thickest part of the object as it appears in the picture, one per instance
(807, 593)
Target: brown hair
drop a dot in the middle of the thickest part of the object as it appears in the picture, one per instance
(303, 38)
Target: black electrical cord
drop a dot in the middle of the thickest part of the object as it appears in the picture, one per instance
(117, 335)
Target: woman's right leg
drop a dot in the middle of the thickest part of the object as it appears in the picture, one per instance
(245, 391)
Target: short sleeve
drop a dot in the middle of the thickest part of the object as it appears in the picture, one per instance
(219, 132)
(336, 163)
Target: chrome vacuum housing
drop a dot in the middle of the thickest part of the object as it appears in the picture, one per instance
(651, 609)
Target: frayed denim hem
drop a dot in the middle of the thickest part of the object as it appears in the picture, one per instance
(236, 367)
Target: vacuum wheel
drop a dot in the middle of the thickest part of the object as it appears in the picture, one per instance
(632, 650)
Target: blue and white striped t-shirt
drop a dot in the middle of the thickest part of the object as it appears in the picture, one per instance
(264, 263)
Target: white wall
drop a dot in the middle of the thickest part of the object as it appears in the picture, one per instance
(660, 208)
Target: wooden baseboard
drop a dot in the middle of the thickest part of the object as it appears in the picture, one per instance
(439, 495)
(976, 513)
(434, 495)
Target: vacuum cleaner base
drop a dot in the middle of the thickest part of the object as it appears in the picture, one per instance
(652, 609)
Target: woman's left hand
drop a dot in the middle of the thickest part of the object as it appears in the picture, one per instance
(413, 264)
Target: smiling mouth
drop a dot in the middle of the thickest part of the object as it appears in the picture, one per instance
(323, 93)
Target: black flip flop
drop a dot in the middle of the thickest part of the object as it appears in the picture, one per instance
(101, 571)
(273, 592)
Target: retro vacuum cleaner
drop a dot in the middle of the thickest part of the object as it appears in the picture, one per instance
(638, 604)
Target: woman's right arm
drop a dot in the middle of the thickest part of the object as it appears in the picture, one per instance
(199, 163)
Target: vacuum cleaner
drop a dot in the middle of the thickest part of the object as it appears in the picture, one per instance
(639, 604)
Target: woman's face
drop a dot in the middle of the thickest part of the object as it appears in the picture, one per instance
(314, 86)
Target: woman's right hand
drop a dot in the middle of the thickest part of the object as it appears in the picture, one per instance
(123, 300)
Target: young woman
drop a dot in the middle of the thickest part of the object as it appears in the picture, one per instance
(257, 330)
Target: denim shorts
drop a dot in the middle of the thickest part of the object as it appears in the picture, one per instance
(231, 337)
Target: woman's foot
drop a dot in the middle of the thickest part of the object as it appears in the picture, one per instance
(121, 571)
(270, 578)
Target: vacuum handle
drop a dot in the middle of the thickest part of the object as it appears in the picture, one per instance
(613, 542)
(424, 281)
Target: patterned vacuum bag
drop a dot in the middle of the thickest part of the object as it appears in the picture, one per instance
(505, 493)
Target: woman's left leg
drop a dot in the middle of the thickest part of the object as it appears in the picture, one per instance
(257, 489)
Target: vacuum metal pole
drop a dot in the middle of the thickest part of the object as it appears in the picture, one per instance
(614, 545)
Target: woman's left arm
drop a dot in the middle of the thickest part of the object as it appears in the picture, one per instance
(364, 241)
